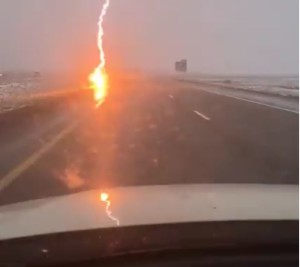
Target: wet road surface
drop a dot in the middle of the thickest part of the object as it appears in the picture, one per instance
(148, 132)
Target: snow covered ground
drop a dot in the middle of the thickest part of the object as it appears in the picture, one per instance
(287, 86)
(23, 91)
(15, 95)
(275, 92)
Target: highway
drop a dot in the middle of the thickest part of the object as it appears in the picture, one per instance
(147, 132)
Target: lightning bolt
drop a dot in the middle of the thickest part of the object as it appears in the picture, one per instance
(101, 34)
(105, 198)
(98, 78)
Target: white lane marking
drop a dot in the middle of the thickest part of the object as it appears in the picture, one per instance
(250, 101)
(31, 160)
(202, 115)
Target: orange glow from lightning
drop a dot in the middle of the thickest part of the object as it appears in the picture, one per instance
(98, 79)
(104, 197)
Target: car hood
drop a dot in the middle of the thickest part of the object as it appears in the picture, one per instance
(149, 205)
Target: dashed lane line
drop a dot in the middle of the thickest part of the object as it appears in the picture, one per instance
(202, 115)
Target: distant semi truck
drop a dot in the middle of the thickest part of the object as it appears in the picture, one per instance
(181, 66)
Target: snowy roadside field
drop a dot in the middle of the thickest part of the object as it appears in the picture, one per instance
(19, 94)
(271, 85)
(274, 92)
(16, 95)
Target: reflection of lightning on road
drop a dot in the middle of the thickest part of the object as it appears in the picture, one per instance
(105, 198)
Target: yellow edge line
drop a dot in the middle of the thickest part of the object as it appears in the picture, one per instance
(31, 160)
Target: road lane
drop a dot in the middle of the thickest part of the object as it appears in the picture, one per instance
(268, 136)
(22, 134)
(18, 170)
(143, 136)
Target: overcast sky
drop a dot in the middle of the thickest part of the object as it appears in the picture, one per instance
(216, 36)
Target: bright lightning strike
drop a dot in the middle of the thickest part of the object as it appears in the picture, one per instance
(98, 78)
(104, 197)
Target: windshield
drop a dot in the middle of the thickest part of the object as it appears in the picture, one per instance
(99, 94)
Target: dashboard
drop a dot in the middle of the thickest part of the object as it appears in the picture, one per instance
(232, 243)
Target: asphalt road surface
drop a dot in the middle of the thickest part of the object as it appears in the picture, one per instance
(147, 132)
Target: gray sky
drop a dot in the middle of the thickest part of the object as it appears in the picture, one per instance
(216, 36)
